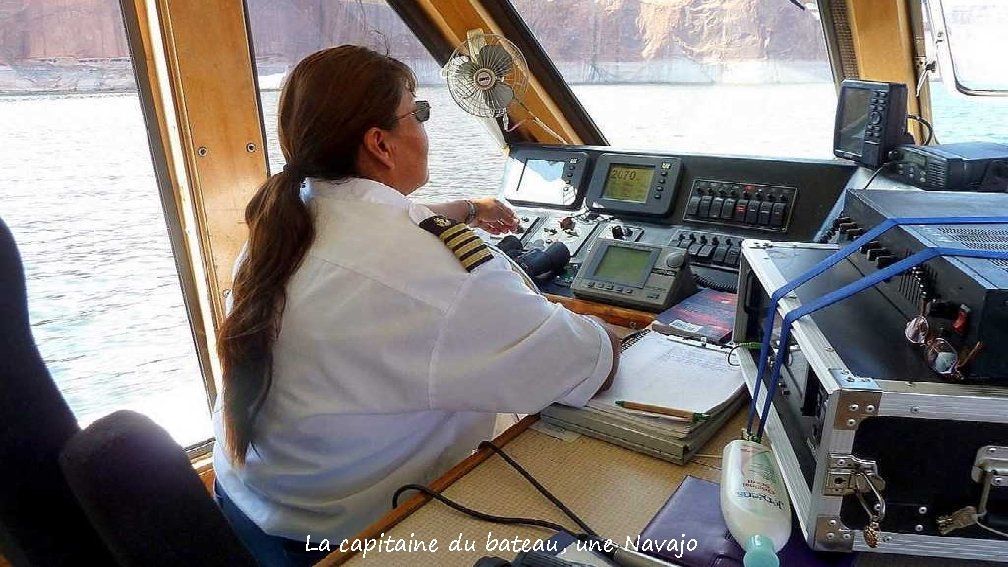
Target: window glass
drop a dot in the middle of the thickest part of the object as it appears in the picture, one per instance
(464, 160)
(695, 77)
(957, 117)
(975, 41)
(79, 195)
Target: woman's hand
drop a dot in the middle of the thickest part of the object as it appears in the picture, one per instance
(494, 216)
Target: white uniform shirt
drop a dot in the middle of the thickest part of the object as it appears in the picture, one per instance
(391, 364)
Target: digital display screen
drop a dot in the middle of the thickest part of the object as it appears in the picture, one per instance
(853, 120)
(542, 181)
(620, 264)
(628, 183)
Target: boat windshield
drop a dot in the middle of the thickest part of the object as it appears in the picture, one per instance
(708, 78)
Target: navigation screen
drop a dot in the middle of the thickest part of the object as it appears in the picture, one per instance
(624, 265)
(628, 183)
(542, 182)
(854, 120)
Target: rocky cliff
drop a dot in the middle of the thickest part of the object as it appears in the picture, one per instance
(590, 40)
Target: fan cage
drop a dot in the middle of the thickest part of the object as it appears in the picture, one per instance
(486, 82)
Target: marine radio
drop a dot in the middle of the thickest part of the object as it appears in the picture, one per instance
(969, 166)
(634, 274)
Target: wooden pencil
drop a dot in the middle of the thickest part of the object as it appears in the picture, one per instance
(661, 410)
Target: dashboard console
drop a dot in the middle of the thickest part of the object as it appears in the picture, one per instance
(703, 205)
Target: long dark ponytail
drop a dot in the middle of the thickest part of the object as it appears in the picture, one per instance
(328, 102)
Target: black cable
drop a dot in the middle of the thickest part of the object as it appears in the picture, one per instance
(542, 489)
(709, 283)
(877, 171)
(482, 516)
(930, 129)
(749, 345)
(798, 3)
(589, 533)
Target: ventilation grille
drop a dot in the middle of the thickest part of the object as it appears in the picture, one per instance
(936, 172)
(980, 238)
(845, 41)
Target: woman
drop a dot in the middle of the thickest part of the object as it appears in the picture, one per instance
(363, 352)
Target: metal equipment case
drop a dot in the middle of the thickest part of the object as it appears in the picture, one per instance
(857, 405)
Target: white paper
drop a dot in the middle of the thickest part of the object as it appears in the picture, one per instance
(660, 371)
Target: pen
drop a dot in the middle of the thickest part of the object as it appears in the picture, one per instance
(661, 410)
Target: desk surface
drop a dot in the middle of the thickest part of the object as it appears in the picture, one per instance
(614, 490)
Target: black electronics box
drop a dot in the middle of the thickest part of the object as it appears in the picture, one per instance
(861, 425)
(967, 297)
(973, 166)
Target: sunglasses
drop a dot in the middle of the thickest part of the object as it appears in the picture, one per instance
(939, 354)
(422, 111)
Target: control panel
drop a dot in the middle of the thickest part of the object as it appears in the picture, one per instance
(739, 204)
(574, 231)
(701, 205)
(634, 274)
(634, 184)
(709, 248)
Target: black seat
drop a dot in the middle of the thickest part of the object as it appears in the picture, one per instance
(40, 521)
(140, 491)
(135, 498)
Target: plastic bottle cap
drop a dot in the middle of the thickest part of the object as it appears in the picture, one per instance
(759, 552)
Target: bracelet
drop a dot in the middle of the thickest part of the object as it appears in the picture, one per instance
(472, 212)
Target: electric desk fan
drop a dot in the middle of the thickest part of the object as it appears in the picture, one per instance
(485, 74)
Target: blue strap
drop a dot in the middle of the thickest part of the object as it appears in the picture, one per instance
(849, 290)
(826, 264)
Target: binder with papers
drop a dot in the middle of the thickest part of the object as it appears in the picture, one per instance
(664, 371)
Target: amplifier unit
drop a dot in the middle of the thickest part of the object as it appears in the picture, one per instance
(964, 299)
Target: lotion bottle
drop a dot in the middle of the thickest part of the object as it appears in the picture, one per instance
(754, 502)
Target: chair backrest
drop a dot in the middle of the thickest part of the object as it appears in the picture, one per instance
(140, 491)
(40, 521)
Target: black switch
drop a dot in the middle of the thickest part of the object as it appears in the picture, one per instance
(694, 248)
(704, 209)
(870, 246)
(778, 214)
(764, 213)
(705, 252)
(693, 205)
(752, 213)
(685, 242)
(728, 209)
(854, 233)
(874, 253)
(617, 232)
(715, 207)
(740, 210)
(719, 254)
(885, 260)
(732, 258)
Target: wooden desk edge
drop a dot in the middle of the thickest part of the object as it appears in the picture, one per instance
(615, 315)
(401, 512)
